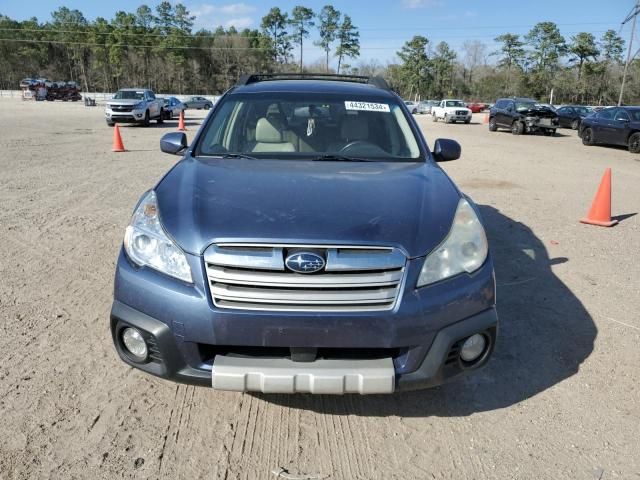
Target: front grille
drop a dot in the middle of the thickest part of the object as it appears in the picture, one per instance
(461, 112)
(121, 108)
(254, 277)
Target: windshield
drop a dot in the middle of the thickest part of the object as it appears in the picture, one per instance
(454, 103)
(583, 110)
(309, 126)
(129, 95)
(527, 105)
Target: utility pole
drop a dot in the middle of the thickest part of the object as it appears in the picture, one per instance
(634, 13)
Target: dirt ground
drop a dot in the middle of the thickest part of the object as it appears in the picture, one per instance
(559, 400)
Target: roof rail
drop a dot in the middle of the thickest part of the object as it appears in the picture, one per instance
(263, 77)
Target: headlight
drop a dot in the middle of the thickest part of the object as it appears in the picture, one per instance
(147, 245)
(464, 250)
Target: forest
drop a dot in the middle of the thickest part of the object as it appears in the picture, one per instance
(160, 49)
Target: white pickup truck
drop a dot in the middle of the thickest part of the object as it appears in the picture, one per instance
(451, 111)
(134, 105)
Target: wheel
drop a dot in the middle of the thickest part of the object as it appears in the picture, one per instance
(207, 106)
(468, 120)
(147, 119)
(492, 124)
(111, 124)
(587, 137)
(170, 114)
(414, 111)
(634, 143)
(435, 118)
(517, 128)
(160, 118)
(446, 118)
(575, 124)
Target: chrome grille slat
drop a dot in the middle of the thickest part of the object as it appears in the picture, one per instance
(302, 296)
(254, 277)
(283, 279)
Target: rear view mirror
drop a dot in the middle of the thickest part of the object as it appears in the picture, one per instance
(445, 150)
(174, 143)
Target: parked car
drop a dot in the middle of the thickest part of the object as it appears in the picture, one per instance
(411, 106)
(476, 107)
(425, 106)
(522, 115)
(570, 116)
(172, 107)
(451, 111)
(198, 103)
(613, 126)
(134, 105)
(254, 263)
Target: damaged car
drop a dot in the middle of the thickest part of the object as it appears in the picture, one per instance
(523, 115)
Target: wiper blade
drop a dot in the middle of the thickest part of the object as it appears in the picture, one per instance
(237, 155)
(339, 158)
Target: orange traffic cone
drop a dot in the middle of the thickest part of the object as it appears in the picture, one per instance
(600, 213)
(486, 118)
(181, 126)
(117, 140)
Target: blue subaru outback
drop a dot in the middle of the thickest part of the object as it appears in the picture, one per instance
(307, 241)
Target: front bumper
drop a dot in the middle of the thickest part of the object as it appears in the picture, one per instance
(124, 117)
(439, 364)
(186, 332)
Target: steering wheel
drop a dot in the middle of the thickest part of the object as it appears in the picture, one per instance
(358, 143)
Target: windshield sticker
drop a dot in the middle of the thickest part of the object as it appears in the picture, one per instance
(366, 106)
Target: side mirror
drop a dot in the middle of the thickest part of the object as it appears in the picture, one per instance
(445, 150)
(173, 143)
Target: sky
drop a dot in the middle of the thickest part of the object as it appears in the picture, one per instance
(384, 25)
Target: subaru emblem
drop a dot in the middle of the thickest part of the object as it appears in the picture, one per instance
(304, 262)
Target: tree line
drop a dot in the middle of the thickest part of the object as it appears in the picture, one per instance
(158, 48)
(582, 69)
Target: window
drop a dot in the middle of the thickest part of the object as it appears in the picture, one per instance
(621, 115)
(308, 125)
(606, 114)
(129, 95)
(454, 103)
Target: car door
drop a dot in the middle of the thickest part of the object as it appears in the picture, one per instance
(154, 109)
(620, 127)
(601, 125)
(565, 116)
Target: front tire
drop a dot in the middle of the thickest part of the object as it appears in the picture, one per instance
(517, 128)
(110, 124)
(435, 117)
(207, 106)
(575, 124)
(147, 119)
(161, 117)
(492, 124)
(634, 143)
(587, 137)
(446, 118)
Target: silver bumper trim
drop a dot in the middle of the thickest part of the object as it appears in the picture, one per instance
(281, 375)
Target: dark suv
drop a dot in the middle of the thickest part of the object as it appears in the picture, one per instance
(523, 115)
(306, 242)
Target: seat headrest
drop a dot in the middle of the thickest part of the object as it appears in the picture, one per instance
(354, 127)
(268, 131)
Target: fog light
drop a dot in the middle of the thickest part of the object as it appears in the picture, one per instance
(473, 347)
(134, 343)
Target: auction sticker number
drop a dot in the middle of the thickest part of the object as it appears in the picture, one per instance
(366, 106)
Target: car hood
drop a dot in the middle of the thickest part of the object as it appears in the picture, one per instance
(405, 205)
(538, 112)
(124, 101)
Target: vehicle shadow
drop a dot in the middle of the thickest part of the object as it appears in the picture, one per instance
(544, 336)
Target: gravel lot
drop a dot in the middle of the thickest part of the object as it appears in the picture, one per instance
(560, 398)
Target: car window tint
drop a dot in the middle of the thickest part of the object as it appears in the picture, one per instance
(621, 115)
(606, 114)
(299, 126)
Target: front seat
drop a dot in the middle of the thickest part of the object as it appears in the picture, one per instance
(352, 128)
(269, 137)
